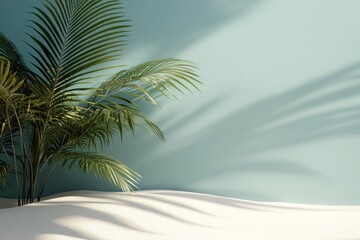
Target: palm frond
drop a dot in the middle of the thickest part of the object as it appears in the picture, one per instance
(142, 81)
(103, 167)
(14, 105)
(98, 126)
(9, 51)
(71, 39)
(10, 98)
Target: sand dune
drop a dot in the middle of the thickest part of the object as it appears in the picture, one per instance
(160, 215)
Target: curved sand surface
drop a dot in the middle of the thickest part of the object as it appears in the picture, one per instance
(160, 215)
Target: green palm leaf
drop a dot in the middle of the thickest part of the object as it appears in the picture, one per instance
(143, 80)
(72, 38)
(103, 167)
(10, 52)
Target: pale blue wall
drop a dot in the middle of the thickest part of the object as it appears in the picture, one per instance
(278, 118)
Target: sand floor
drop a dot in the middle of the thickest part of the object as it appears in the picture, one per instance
(160, 215)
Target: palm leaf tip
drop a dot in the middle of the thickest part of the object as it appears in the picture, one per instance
(146, 81)
(103, 167)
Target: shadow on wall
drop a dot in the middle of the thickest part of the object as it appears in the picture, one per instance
(177, 24)
(237, 143)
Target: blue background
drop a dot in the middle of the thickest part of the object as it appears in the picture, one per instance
(278, 117)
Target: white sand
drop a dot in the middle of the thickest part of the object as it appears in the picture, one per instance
(174, 215)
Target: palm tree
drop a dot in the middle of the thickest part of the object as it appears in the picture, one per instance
(51, 116)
